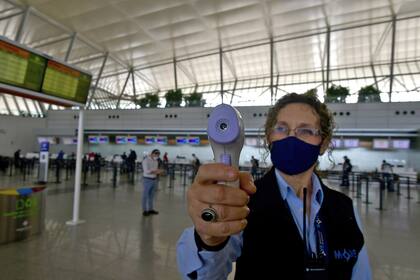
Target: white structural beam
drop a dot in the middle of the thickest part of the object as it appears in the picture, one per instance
(76, 202)
(22, 25)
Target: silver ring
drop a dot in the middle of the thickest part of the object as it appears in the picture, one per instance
(209, 214)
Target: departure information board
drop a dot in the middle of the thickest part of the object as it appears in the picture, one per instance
(65, 82)
(19, 67)
(28, 73)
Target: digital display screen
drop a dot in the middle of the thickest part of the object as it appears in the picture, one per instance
(69, 140)
(380, 144)
(120, 139)
(103, 139)
(64, 82)
(401, 144)
(19, 67)
(92, 139)
(194, 140)
(251, 141)
(26, 69)
(132, 139)
(149, 139)
(51, 140)
(163, 140)
(181, 140)
(351, 143)
(336, 143)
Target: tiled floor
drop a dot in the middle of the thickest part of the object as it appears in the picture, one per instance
(116, 242)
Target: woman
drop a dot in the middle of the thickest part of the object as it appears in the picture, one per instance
(261, 227)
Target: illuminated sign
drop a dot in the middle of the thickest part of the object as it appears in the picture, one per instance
(351, 143)
(103, 139)
(401, 144)
(163, 140)
(92, 139)
(149, 140)
(194, 140)
(181, 140)
(120, 139)
(380, 144)
(132, 139)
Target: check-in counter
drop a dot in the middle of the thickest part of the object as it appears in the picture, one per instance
(22, 212)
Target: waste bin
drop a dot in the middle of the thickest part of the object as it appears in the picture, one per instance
(22, 213)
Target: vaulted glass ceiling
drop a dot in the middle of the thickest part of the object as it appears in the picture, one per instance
(264, 48)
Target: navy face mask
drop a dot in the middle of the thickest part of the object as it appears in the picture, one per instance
(293, 156)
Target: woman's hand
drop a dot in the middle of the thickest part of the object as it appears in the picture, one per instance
(230, 203)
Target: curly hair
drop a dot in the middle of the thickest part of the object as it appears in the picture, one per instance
(320, 109)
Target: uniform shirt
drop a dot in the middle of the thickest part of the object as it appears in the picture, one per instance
(218, 265)
(149, 165)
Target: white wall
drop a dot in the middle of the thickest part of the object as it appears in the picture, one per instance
(19, 133)
(361, 158)
(204, 153)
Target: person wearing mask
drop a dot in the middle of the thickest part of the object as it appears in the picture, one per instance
(150, 173)
(347, 168)
(386, 169)
(261, 226)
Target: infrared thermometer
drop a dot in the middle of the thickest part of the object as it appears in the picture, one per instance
(226, 136)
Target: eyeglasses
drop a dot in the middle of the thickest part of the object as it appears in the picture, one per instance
(300, 132)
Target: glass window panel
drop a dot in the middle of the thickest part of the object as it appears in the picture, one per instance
(31, 107)
(12, 105)
(206, 69)
(21, 105)
(3, 107)
(38, 107)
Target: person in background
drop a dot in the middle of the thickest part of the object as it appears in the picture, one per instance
(166, 162)
(265, 227)
(16, 158)
(124, 163)
(165, 158)
(150, 173)
(254, 167)
(60, 158)
(386, 169)
(131, 161)
(196, 164)
(347, 168)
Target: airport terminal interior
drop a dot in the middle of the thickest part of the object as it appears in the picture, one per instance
(90, 89)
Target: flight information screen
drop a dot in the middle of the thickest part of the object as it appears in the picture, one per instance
(19, 67)
(64, 82)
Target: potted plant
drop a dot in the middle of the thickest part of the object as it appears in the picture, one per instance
(173, 98)
(194, 100)
(312, 92)
(336, 94)
(143, 102)
(149, 101)
(153, 100)
(369, 94)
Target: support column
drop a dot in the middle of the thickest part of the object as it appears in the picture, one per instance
(76, 202)
(391, 75)
(123, 89)
(221, 72)
(271, 71)
(97, 81)
(328, 58)
(68, 53)
(175, 75)
(19, 33)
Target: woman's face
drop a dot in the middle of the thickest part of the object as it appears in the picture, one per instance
(300, 120)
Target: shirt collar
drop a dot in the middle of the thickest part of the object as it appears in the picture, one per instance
(286, 190)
